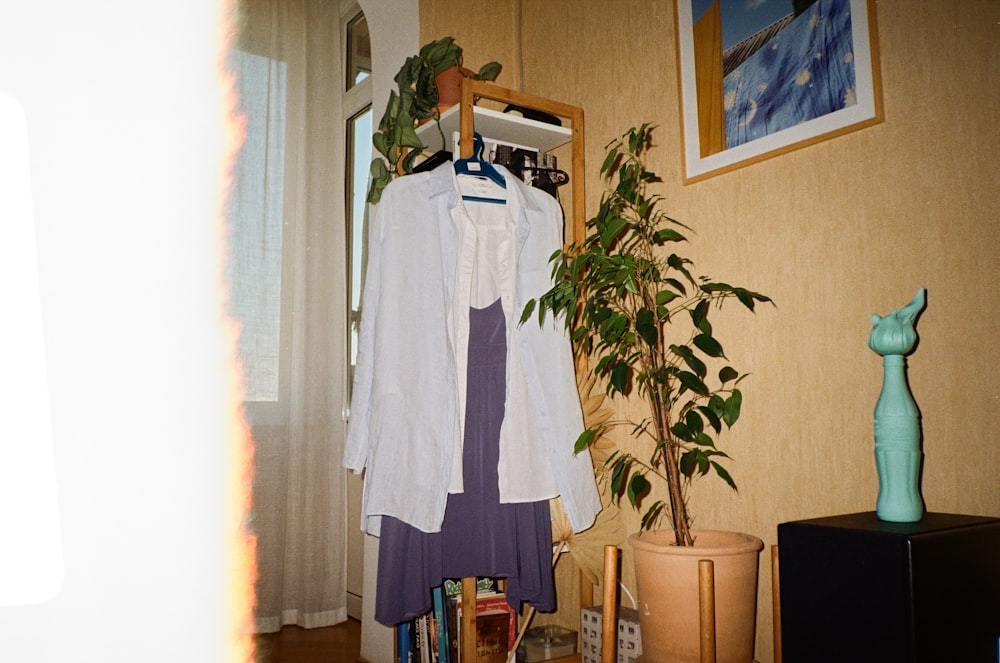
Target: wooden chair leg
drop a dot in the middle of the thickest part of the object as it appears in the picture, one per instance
(706, 603)
(609, 614)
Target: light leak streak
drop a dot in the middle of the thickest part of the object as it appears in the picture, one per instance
(241, 543)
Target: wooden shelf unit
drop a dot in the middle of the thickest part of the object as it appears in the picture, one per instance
(544, 137)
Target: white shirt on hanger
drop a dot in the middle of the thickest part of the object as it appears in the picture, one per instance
(431, 256)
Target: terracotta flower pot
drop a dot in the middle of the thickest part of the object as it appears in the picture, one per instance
(667, 583)
(449, 85)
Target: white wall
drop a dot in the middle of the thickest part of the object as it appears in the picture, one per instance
(395, 31)
(123, 123)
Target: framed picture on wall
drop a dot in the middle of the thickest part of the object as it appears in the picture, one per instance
(760, 78)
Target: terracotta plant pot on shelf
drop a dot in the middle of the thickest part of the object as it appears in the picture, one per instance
(667, 583)
(449, 86)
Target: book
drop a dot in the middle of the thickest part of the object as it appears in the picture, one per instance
(494, 604)
(440, 626)
(404, 651)
(415, 641)
(431, 648)
(453, 586)
(422, 651)
(491, 603)
(492, 635)
(453, 615)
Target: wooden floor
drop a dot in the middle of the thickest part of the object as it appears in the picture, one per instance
(292, 644)
(333, 644)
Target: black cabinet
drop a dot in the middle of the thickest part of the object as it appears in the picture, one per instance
(854, 588)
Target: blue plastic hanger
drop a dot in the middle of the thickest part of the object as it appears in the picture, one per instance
(477, 166)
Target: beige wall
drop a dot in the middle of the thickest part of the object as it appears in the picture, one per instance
(833, 232)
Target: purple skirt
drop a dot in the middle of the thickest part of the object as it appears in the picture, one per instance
(479, 535)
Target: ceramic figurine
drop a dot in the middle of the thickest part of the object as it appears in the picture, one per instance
(898, 454)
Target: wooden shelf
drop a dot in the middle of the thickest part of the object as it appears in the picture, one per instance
(464, 119)
(504, 127)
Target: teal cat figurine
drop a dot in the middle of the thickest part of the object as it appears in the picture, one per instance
(897, 420)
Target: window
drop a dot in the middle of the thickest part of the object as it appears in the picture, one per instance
(359, 132)
(357, 108)
(255, 214)
(258, 201)
(359, 51)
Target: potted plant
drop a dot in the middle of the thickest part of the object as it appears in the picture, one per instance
(421, 82)
(633, 305)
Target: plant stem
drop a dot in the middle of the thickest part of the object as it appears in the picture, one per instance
(655, 360)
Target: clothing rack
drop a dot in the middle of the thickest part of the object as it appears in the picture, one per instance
(472, 91)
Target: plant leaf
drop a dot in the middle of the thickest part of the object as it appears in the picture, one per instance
(704, 440)
(585, 439)
(689, 462)
(410, 158)
(664, 297)
(489, 71)
(381, 143)
(692, 382)
(529, 308)
(721, 471)
(618, 474)
(408, 138)
(712, 416)
(696, 365)
(651, 515)
(608, 165)
(620, 376)
(728, 373)
(731, 411)
(612, 229)
(694, 422)
(667, 235)
(442, 54)
(699, 317)
(645, 326)
(707, 344)
(634, 140)
(714, 287)
(637, 487)
(378, 168)
(681, 431)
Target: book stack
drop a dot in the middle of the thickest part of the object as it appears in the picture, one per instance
(436, 637)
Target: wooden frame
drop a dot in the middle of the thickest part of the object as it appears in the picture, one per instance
(474, 90)
(738, 107)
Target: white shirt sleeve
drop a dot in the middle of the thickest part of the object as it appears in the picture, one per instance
(356, 447)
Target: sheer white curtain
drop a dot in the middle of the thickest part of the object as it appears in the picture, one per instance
(287, 275)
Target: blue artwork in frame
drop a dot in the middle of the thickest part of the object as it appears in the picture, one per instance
(763, 77)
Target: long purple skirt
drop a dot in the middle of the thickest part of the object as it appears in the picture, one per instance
(479, 536)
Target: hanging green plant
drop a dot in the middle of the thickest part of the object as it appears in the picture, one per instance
(414, 100)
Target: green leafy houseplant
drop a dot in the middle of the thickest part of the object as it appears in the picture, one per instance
(635, 308)
(416, 100)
